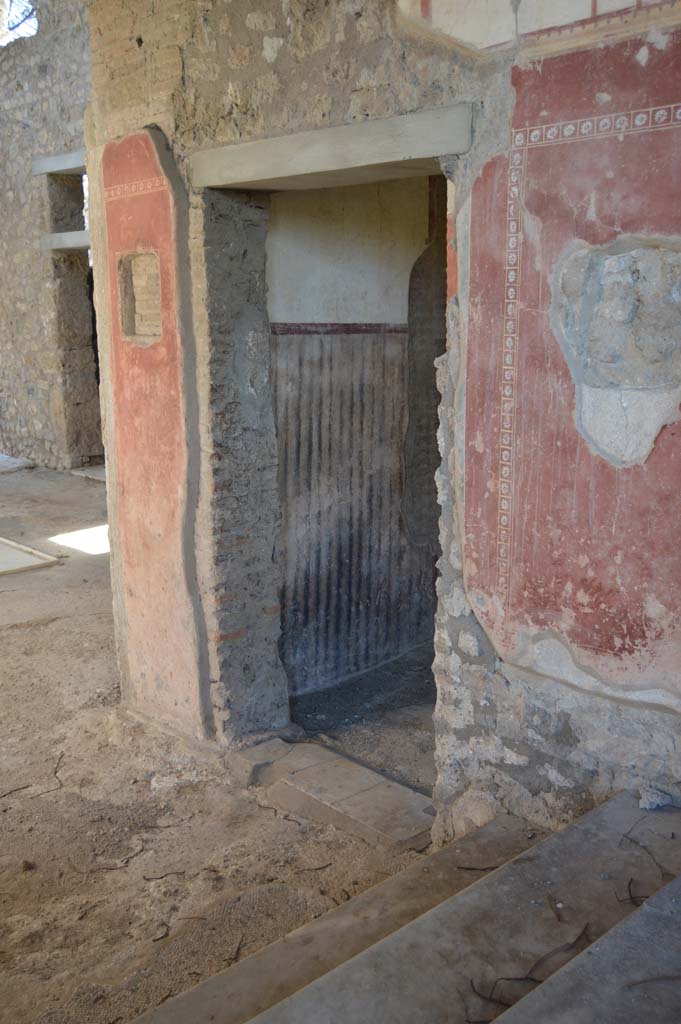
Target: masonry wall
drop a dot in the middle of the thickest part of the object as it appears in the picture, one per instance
(49, 407)
(209, 74)
(565, 449)
(555, 664)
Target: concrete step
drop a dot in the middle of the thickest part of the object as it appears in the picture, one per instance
(322, 785)
(253, 985)
(630, 976)
(480, 951)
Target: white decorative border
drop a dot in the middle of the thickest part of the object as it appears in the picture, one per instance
(599, 126)
(508, 368)
(135, 188)
(524, 139)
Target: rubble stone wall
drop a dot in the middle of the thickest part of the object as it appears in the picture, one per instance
(49, 406)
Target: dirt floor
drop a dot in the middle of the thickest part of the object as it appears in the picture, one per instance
(130, 867)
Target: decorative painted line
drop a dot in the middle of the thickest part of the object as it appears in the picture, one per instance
(507, 370)
(135, 188)
(599, 126)
(281, 328)
(523, 140)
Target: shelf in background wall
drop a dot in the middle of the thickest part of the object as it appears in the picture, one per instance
(66, 241)
(63, 163)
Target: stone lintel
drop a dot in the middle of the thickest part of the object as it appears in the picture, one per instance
(62, 163)
(375, 150)
(66, 241)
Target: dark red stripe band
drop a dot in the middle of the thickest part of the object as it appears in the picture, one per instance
(280, 328)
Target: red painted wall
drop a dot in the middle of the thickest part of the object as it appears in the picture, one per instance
(150, 445)
(559, 542)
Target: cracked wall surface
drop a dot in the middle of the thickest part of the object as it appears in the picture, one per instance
(49, 407)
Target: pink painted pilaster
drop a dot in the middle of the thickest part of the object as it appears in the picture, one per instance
(153, 550)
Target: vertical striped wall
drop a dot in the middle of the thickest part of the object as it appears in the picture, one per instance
(357, 591)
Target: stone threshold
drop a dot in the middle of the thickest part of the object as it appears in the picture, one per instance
(327, 787)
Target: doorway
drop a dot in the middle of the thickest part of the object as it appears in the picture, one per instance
(356, 295)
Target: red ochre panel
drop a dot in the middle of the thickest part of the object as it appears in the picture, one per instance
(557, 540)
(150, 442)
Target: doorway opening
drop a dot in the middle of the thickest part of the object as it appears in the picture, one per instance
(356, 297)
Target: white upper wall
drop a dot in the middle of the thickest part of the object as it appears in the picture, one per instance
(344, 255)
(483, 23)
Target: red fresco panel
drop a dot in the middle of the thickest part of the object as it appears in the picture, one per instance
(556, 538)
(150, 442)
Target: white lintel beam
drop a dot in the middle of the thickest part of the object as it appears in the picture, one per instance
(63, 163)
(66, 241)
(374, 150)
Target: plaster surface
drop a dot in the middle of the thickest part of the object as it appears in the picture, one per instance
(162, 665)
(345, 255)
(486, 24)
(571, 687)
(571, 556)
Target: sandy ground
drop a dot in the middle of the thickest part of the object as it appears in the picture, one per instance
(130, 867)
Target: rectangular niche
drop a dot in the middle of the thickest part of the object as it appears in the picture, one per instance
(139, 278)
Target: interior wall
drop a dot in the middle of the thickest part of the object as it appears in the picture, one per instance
(567, 463)
(353, 280)
(206, 76)
(49, 408)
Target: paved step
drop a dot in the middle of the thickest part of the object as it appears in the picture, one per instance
(322, 785)
(482, 950)
(275, 972)
(92, 473)
(11, 464)
(630, 976)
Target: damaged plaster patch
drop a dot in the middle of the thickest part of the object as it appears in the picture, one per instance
(270, 48)
(616, 312)
(468, 643)
(657, 38)
(547, 655)
(643, 55)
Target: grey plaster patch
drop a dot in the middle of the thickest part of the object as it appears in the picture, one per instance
(616, 312)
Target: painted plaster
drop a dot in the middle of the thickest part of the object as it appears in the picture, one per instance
(485, 24)
(155, 492)
(344, 255)
(573, 555)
